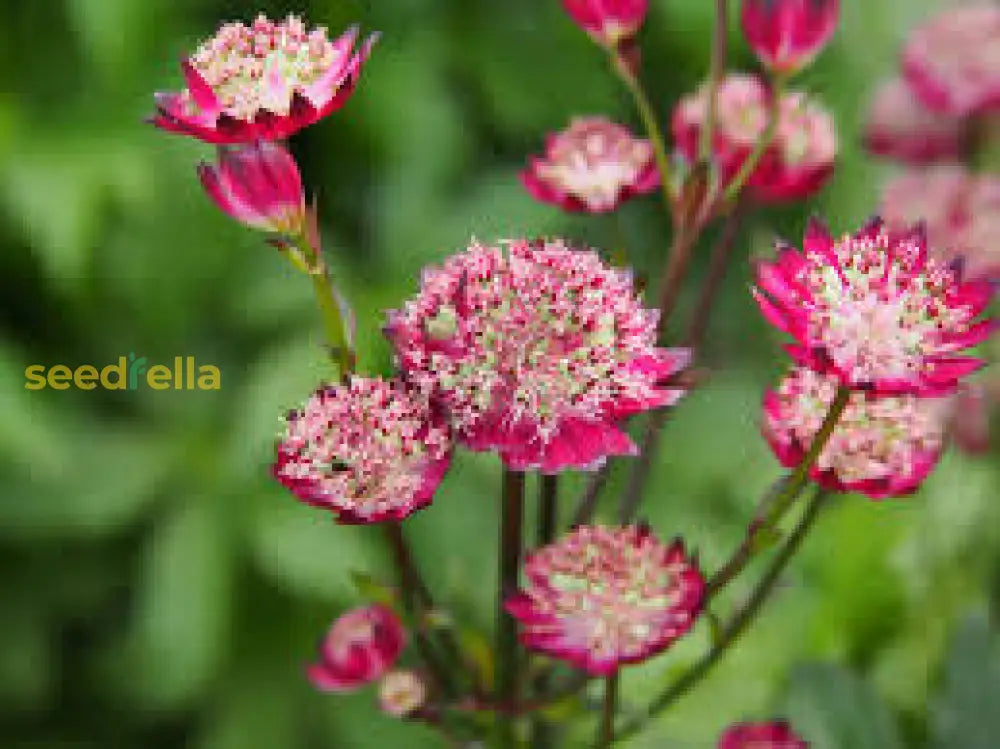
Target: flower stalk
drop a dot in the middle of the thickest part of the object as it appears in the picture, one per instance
(507, 681)
(607, 729)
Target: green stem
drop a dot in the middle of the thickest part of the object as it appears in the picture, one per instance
(736, 626)
(542, 732)
(607, 730)
(716, 70)
(507, 676)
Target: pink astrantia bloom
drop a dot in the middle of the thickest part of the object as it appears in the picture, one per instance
(952, 60)
(536, 350)
(366, 450)
(795, 166)
(602, 597)
(774, 735)
(593, 166)
(608, 22)
(401, 693)
(258, 184)
(961, 211)
(882, 446)
(873, 309)
(265, 81)
(900, 126)
(788, 34)
(361, 646)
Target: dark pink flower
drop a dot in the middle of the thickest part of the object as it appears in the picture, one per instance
(609, 22)
(265, 81)
(592, 166)
(882, 446)
(367, 450)
(873, 309)
(361, 646)
(774, 735)
(536, 350)
(602, 597)
(258, 184)
(401, 693)
(961, 211)
(901, 127)
(952, 60)
(788, 34)
(795, 166)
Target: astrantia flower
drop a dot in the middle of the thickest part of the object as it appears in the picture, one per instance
(882, 446)
(961, 211)
(609, 22)
(776, 735)
(367, 450)
(258, 185)
(787, 34)
(592, 166)
(360, 647)
(401, 692)
(798, 162)
(875, 310)
(952, 60)
(902, 127)
(536, 350)
(262, 82)
(602, 597)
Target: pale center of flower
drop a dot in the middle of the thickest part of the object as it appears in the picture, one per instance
(260, 67)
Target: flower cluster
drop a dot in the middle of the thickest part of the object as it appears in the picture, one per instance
(368, 450)
(602, 597)
(798, 162)
(536, 350)
(264, 81)
(360, 647)
(776, 735)
(593, 166)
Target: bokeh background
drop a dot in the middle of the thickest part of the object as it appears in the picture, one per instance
(157, 590)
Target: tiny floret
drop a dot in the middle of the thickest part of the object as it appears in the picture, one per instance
(592, 166)
(601, 597)
(536, 350)
(361, 646)
(875, 310)
(264, 81)
(882, 446)
(772, 735)
(401, 693)
(367, 450)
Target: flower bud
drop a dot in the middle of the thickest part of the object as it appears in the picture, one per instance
(609, 22)
(360, 647)
(401, 693)
(788, 34)
(258, 185)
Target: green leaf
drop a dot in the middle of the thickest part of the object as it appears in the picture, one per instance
(372, 590)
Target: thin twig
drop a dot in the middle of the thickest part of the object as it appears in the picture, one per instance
(717, 68)
(507, 671)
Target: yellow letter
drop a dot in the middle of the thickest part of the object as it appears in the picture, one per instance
(111, 369)
(35, 376)
(158, 377)
(85, 377)
(59, 377)
(209, 377)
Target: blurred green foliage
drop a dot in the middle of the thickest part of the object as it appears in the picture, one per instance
(158, 590)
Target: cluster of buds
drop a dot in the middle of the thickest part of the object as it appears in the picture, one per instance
(939, 120)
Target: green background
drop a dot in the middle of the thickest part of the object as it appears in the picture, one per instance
(159, 590)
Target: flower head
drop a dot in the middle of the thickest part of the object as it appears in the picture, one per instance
(258, 184)
(265, 81)
(367, 450)
(592, 166)
(798, 162)
(601, 597)
(961, 211)
(776, 735)
(608, 22)
(788, 34)
(953, 61)
(401, 693)
(873, 309)
(901, 127)
(359, 648)
(882, 446)
(536, 350)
